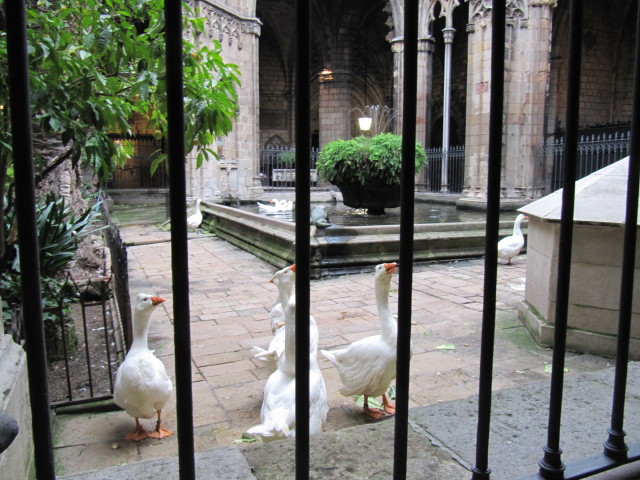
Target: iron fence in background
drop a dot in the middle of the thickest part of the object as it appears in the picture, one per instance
(595, 151)
(136, 173)
(431, 178)
(278, 167)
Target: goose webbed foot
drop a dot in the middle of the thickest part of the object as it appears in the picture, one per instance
(374, 413)
(388, 407)
(160, 431)
(139, 433)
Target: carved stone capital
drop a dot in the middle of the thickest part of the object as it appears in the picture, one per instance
(516, 13)
(448, 34)
(426, 44)
(397, 45)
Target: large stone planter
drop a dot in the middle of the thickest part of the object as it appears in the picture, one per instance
(374, 197)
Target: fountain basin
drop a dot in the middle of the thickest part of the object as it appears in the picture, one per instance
(344, 249)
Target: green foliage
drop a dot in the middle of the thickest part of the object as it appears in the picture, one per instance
(364, 160)
(287, 159)
(57, 297)
(59, 232)
(94, 64)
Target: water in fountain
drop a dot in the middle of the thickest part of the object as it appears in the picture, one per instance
(340, 214)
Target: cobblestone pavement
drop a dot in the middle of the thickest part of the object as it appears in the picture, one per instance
(230, 301)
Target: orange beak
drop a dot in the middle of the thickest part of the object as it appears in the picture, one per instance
(156, 300)
(391, 267)
(293, 267)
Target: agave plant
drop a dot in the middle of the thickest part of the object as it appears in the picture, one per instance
(59, 232)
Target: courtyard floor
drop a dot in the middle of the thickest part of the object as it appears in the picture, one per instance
(231, 297)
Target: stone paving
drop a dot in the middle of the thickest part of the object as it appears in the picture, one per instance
(230, 301)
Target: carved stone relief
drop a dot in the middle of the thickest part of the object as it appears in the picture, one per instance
(516, 13)
(226, 27)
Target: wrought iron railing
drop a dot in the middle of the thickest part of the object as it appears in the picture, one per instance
(278, 166)
(136, 172)
(80, 340)
(595, 151)
(433, 178)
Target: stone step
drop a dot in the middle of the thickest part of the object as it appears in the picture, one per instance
(441, 440)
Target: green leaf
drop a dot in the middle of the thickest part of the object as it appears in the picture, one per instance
(104, 38)
(83, 54)
(372, 402)
(245, 438)
(446, 346)
(548, 368)
(89, 39)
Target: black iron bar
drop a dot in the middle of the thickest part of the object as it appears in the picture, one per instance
(405, 280)
(481, 469)
(20, 106)
(551, 465)
(615, 446)
(65, 350)
(86, 346)
(106, 343)
(303, 147)
(179, 244)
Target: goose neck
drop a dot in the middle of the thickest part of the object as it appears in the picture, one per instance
(388, 326)
(290, 341)
(140, 331)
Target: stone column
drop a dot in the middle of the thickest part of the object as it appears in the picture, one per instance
(527, 69)
(530, 67)
(477, 116)
(334, 105)
(423, 100)
(397, 47)
(234, 175)
(448, 34)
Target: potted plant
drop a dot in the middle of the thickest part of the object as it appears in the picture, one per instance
(367, 170)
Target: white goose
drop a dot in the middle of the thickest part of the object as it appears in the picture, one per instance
(195, 219)
(276, 206)
(278, 414)
(142, 385)
(285, 280)
(510, 246)
(368, 366)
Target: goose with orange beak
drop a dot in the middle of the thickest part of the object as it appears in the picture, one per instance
(142, 385)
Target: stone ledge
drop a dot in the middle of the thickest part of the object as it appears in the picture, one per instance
(17, 461)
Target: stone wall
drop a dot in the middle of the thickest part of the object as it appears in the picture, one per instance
(607, 67)
(234, 175)
(16, 463)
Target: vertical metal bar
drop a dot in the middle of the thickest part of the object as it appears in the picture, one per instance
(65, 348)
(303, 147)
(551, 465)
(410, 89)
(86, 345)
(179, 244)
(481, 469)
(106, 340)
(615, 446)
(28, 239)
